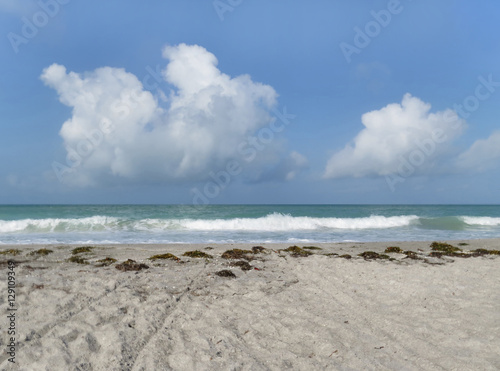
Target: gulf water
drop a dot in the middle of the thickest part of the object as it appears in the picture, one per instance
(44, 224)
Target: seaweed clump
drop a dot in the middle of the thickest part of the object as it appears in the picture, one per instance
(345, 256)
(243, 265)
(297, 252)
(164, 256)
(444, 247)
(41, 252)
(412, 255)
(312, 248)
(197, 254)
(258, 249)
(106, 262)
(237, 254)
(439, 254)
(460, 254)
(481, 252)
(394, 249)
(78, 260)
(79, 250)
(131, 265)
(440, 249)
(225, 273)
(10, 252)
(242, 254)
(372, 255)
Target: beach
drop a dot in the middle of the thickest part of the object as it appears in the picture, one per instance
(236, 185)
(266, 308)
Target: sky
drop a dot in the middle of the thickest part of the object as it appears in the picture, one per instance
(239, 101)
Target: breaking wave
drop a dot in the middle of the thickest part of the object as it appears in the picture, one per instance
(481, 220)
(274, 222)
(269, 223)
(94, 223)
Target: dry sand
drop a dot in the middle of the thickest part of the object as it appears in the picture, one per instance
(300, 313)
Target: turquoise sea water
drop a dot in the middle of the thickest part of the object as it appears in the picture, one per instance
(26, 224)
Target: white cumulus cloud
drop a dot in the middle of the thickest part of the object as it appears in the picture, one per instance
(120, 130)
(391, 135)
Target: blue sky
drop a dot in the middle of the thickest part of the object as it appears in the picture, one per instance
(387, 101)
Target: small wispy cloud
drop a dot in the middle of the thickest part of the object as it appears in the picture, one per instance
(483, 155)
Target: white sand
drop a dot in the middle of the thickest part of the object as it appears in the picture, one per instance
(308, 313)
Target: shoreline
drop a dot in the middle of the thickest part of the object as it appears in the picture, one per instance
(296, 309)
(466, 240)
(328, 247)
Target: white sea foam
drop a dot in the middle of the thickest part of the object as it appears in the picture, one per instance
(93, 223)
(271, 223)
(280, 222)
(481, 220)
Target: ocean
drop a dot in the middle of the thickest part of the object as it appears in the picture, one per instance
(103, 224)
